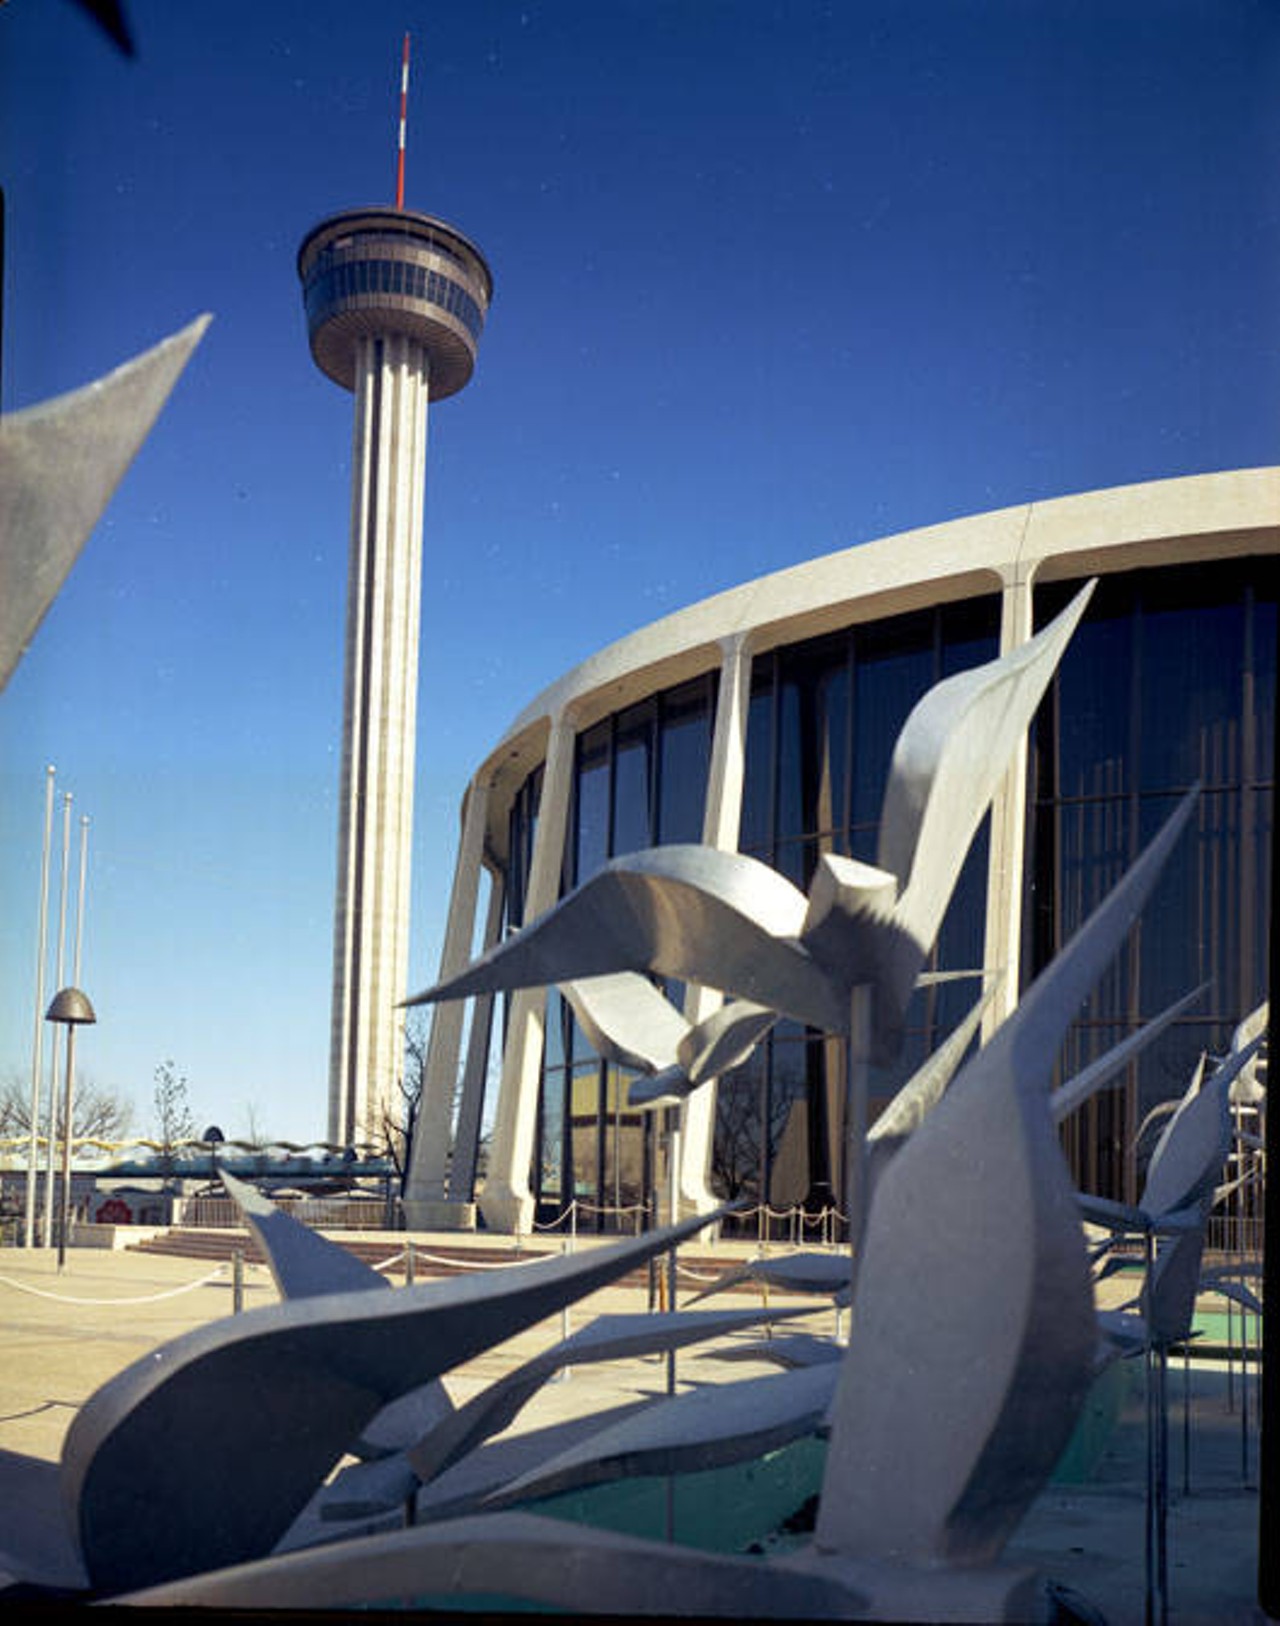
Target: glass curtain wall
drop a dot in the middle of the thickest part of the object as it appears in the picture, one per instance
(640, 780)
(823, 719)
(1170, 681)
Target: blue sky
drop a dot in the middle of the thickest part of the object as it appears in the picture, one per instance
(771, 279)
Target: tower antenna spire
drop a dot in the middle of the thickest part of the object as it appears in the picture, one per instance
(404, 105)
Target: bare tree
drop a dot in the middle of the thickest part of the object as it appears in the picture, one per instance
(253, 1129)
(399, 1124)
(735, 1157)
(97, 1113)
(171, 1108)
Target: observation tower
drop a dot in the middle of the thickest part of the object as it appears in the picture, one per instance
(395, 304)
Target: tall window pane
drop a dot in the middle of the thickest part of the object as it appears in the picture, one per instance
(686, 758)
(591, 833)
(633, 779)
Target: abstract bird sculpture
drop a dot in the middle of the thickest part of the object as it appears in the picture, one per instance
(727, 921)
(60, 461)
(972, 1350)
(630, 1022)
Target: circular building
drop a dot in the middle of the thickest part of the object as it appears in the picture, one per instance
(762, 720)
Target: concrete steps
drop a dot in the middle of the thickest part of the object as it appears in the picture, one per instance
(434, 1258)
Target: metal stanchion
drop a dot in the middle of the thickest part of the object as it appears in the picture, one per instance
(237, 1281)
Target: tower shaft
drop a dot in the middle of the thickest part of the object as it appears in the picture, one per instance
(371, 923)
(395, 302)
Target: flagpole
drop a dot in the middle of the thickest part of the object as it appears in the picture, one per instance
(37, 1047)
(53, 1062)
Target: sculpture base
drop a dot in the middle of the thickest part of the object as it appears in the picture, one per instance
(437, 1214)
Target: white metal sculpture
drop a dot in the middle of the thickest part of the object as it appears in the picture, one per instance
(60, 461)
(238, 1422)
(973, 1346)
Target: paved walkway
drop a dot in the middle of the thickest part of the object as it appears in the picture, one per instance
(62, 1335)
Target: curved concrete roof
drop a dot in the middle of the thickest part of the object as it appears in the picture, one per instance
(1218, 515)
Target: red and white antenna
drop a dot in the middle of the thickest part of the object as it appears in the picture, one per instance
(404, 104)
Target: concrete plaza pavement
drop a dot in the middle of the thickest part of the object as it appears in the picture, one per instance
(64, 1334)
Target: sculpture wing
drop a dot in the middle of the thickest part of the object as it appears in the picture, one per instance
(708, 1427)
(1248, 1088)
(1076, 1091)
(724, 1039)
(720, 919)
(627, 1020)
(60, 461)
(925, 1088)
(203, 1452)
(302, 1262)
(805, 1272)
(954, 749)
(1189, 1155)
(521, 1556)
(974, 1276)
(719, 1042)
(607, 1338)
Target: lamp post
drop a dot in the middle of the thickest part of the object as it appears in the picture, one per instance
(72, 1008)
(213, 1138)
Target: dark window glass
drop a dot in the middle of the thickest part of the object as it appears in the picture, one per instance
(1168, 680)
(592, 802)
(553, 1046)
(894, 666)
(685, 743)
(633, 779)
(623, 1159)
(755, 834)
(789, 774)
(551, 1161)
(1192, 675)
(584, 1130)
(788, 1178)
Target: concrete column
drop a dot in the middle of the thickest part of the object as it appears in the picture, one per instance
(507, 1201)
(721, 819)
(466, 1140)
(1007, 855)
(425, 1188)
(376, 809)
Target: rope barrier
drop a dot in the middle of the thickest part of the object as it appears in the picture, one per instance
(696, 1275)
(479, 1264)
(386, 1264)
(144, 1298)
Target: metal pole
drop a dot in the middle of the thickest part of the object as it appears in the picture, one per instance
(1152, 1607)
(856, 1085)
(37, 1047)
(1244, 1394)
(237, 1281)
(1269, 1364)
(1186, 1420)
(1162, 1486)
(65, 1210)
(53, 1060)
(566, 1372)
(673, 1187)
(84, 856)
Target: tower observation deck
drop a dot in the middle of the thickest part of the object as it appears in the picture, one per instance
(395, 304)
(371, 273)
